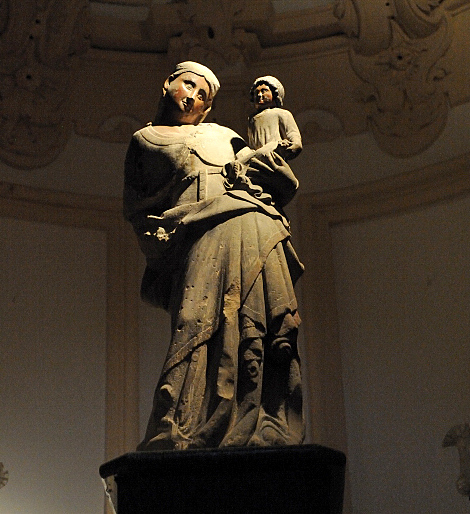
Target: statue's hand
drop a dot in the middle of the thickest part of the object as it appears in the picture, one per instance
(233, 170)
(288, 149)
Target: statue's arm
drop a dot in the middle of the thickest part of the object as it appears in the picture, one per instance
(263, 167)
(266, 168)
(269, 170)
(132, 183)
(291, 132)
(146, 186)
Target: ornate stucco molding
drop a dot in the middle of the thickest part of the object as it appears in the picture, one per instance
(38, 40)
(211, 34)
(397, 49)
(396, 55)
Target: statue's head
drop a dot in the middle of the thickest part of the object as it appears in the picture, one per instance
(187, 95)
(267, 92)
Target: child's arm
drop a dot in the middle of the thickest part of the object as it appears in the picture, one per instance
(290, 133)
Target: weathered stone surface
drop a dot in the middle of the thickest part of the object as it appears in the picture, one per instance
(207, 212)
(270, 123)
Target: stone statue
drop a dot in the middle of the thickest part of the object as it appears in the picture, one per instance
(270, 123)
(207, 211)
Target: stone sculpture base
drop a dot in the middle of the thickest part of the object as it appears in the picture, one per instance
(289, 479)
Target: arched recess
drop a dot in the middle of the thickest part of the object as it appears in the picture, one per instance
(318, 213)
(122, 295)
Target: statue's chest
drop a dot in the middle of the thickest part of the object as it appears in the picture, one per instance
(210, 148)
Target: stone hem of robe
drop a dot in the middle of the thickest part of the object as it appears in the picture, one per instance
(236, 282)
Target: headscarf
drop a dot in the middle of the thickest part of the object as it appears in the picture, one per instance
(202, 71)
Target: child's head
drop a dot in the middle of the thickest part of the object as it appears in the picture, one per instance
(267, 92)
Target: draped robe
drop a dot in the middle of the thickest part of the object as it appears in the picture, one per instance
(219, 259)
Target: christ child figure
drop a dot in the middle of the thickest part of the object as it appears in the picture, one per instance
(270, 123)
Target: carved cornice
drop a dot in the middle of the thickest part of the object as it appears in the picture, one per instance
(38, 42)
(147, 26)
(397, 49)
(394, 194)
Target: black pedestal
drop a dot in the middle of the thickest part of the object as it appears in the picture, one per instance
(289, 479)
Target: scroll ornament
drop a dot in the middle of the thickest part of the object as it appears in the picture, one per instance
(38, 40)
(396, 50)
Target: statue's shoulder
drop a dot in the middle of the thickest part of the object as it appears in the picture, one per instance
(218, 131)
(138, 134)
(267, 115)
(215, 144)
(156, 135)
(284, 114)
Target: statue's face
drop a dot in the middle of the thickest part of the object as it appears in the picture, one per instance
(190, 95)
(263, 97)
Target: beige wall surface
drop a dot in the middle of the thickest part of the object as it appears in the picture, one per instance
(347, 161)
(53, 367)
(403, 291)
(154, 330)
(86, 166)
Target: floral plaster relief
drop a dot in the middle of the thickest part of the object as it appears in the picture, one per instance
(38, 42)
(396, 49)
